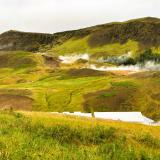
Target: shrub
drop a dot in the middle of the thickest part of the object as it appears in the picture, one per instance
(148, 55)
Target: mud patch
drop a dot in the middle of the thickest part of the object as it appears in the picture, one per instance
(17, 102)
(85, 73)
(117, 98)
(51, 61)
(147, 74)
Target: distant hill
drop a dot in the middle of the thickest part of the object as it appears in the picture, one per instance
(15, 40)
(133, 35)
(143, 30)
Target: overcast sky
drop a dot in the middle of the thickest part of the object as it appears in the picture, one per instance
(59, 15)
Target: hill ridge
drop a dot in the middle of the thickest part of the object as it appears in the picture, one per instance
(145, 31)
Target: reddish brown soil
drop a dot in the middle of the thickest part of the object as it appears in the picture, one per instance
(119, 101)
(15, 102)
(122, 72)
(51, 61)
(85, 72)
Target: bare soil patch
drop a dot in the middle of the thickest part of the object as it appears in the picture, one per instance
(114, 99)
(16, 102)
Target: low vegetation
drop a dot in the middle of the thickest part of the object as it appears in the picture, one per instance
(27, 135)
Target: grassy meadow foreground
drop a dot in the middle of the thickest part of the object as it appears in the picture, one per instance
(37, 135)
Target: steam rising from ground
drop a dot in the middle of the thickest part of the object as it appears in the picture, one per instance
(73, 58)
(115, 59)
(146, 66)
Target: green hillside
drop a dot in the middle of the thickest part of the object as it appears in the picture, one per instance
(112, 38)
(134, 36)
(39, 82)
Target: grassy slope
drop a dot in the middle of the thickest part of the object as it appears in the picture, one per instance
(111, 39)
(80, 46)
(56, 92)
(43, 136)
(20, 66)
(44, 88)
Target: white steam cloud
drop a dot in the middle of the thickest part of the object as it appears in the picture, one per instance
(69, 59)
(147, 66)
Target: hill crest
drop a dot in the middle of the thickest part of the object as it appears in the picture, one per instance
(145, 31)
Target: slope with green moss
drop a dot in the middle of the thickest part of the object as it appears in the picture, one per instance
(113, 38)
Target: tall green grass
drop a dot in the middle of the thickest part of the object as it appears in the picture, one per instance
(27, 137)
